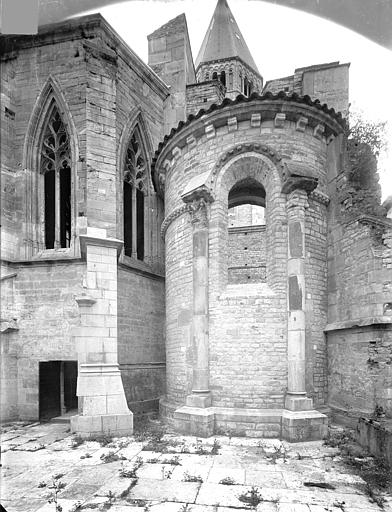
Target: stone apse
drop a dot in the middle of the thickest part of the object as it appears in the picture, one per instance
(245, 357)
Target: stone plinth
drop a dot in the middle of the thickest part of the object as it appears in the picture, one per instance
(303, 425)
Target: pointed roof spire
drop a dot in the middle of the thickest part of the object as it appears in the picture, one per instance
(223, 39)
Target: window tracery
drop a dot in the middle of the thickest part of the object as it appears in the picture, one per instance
(55, 166)
(134, 190)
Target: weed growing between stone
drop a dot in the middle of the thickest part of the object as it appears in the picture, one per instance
(166, 473)
(174, 461)
(376, 472)
(252, 497)
(278, 452)
(57, 486)
(131, 472)
(111, 457)
(192, 478)
(228, 481)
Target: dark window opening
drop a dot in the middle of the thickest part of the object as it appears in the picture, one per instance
(246, 86)
(127, 189)
(65, 206)
(55, 165)
(223, 78)
(215, 75)
(140, 224)
(50, 208)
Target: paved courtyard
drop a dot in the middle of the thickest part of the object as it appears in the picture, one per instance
(174, 474)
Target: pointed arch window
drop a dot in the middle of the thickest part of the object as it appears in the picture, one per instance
(134, 191)
(56, 170)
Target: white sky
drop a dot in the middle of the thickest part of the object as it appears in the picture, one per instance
(280, 40)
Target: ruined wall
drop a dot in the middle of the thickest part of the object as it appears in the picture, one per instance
(360, 372)
(359, 294)
(141, 343)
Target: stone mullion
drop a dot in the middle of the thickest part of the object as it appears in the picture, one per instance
(57, 194)
(134, 223)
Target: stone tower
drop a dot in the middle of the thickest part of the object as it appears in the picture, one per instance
(225, 56)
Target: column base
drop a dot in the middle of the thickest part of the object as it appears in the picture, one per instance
(300, 426)
(202, 401)
(117, 425)
(194, 421)
(298, 403)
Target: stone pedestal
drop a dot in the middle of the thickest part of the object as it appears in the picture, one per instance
(104, 408)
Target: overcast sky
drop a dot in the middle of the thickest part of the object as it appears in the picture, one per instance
(280, 40)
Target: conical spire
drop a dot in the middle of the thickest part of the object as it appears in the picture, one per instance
(223, 39)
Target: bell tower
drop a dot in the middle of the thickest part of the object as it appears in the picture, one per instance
(225, 56)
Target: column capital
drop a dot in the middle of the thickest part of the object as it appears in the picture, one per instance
(198, 199)
(198, 210)
(298, 198)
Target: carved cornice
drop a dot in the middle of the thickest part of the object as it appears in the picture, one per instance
(172, 216)
(320, 197)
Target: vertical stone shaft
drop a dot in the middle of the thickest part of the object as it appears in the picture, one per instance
(200, 396)
(296, 205)
(200, 309)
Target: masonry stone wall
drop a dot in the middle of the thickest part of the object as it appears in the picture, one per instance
(170, 56)
(102, 90)
(360, 372)
(326, 82)
(247, 322)
(359, 321)
(24, 72)
(247, 254)
(141, 342)
(316, 300)
(41, 297)
(202, 95)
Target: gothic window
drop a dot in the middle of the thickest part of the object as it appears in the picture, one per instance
(215, 75)
(56, 170)
(134, 190)
(223, 78)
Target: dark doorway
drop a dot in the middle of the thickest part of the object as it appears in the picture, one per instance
(57, 388)
(70, 379)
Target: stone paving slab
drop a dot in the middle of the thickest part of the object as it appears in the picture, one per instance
(278, 469)
(151, 489)
(218, 473)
